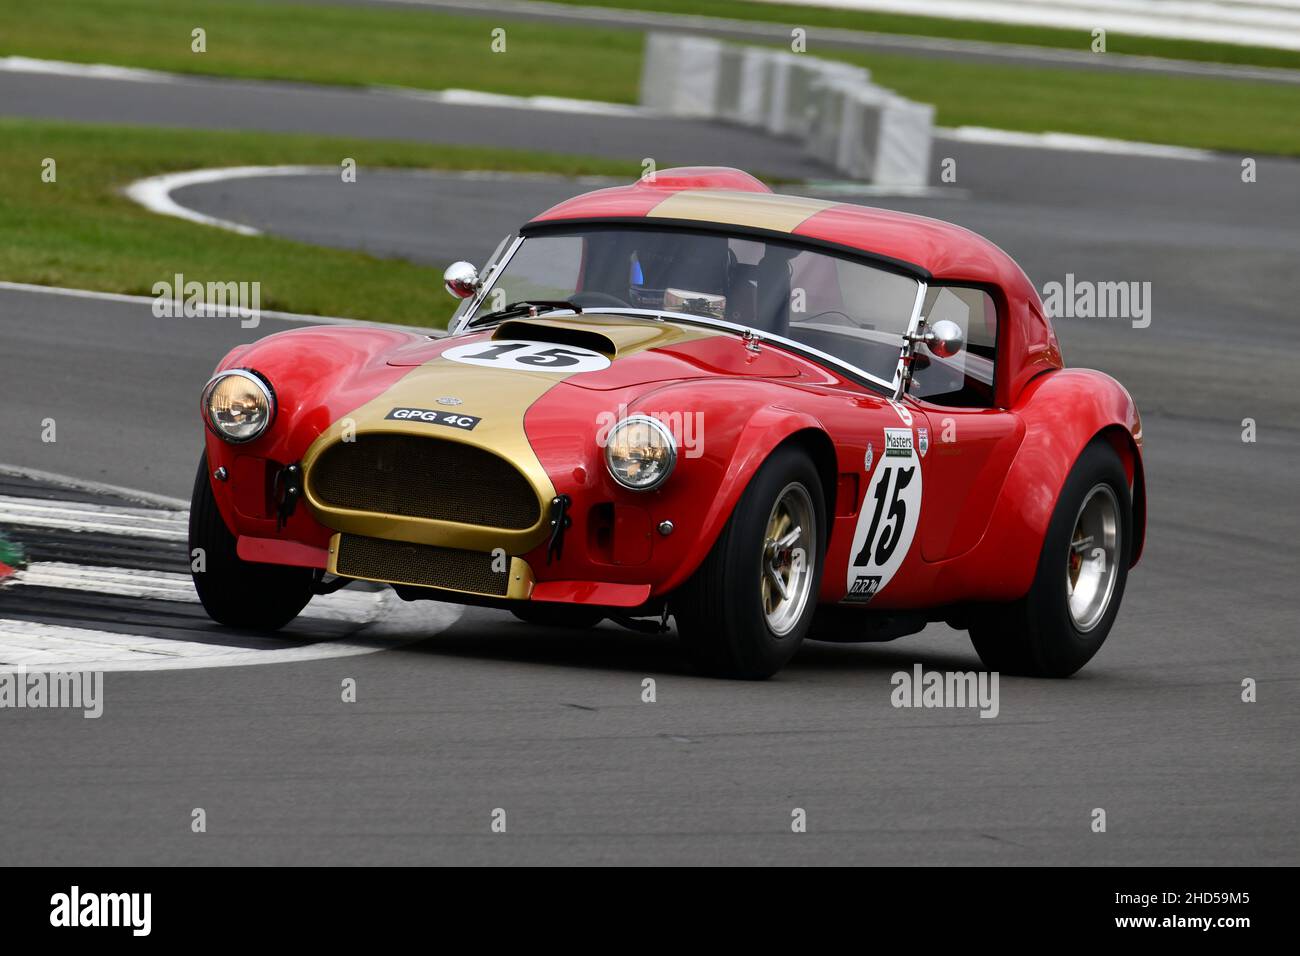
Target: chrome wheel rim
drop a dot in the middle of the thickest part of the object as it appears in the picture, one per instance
(1093, 562)
(787, 562)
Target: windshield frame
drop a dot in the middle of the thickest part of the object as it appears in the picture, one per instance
(466, 314)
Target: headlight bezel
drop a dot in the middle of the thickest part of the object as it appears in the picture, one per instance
(259, 382)
(659, 428)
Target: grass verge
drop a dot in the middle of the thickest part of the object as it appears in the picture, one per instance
(917, 25)
(1228, 115)
(341, 45)
(423, 49)
(80, 231)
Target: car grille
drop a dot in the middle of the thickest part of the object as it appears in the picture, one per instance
(398, 562)
(424, 478)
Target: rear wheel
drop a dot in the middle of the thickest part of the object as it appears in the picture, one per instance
(1067, 614)
(238, 593)
(746, 609)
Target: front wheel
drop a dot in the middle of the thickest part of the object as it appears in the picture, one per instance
(1064, 619)
(746, 609)
(235, 592)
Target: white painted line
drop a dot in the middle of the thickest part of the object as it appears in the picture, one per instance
(352, 606)
(453, 97)
(128, 522)
(89, 71)
(1072, 142)
(121, 582)
(155, 192)
(382, 620)
(93, 487)
(264, 313)
(548, 104)
(39, 647)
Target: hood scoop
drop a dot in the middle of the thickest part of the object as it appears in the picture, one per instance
(579, 335)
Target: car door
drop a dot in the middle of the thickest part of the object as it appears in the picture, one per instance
(969, 444)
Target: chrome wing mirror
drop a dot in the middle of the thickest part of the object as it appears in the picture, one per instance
(462, 280)
(943, 338)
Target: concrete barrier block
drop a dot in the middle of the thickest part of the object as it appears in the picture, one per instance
(885, 139)
(680, 75)
(798, 82)
(906, 135)
(861, 130)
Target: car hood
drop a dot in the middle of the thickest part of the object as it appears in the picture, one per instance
(641, 351)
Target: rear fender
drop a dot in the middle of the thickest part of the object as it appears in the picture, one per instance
(1062, 412)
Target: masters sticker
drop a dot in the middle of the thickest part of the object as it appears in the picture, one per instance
(898, 443)
(433, 417)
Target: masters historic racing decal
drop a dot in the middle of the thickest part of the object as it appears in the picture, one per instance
(528, 356)
(887, 521)
(434, 417)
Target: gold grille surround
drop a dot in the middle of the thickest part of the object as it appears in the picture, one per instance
(426, 478)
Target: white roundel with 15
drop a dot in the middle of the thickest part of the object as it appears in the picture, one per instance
(521, 356)
(887, 522)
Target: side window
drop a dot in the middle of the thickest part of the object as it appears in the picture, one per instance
(966, 379)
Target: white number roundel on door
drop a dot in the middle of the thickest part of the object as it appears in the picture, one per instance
(528, 356)
(891, 510)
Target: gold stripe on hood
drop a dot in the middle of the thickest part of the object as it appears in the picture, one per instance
(498, 398)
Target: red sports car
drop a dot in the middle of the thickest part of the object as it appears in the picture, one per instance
(766, 417)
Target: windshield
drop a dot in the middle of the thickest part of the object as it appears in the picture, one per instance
(843, 307)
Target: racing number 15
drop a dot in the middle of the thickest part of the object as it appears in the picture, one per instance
(551, 358)
(899, 478)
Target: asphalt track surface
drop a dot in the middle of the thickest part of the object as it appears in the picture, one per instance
(211, 103)
(550, 725)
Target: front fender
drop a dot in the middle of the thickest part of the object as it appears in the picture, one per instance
(730, 426)
(767, 427)
(318, 374)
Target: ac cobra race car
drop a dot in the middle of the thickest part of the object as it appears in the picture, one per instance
(761, 417)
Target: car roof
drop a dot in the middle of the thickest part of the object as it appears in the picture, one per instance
(932, 250)
(703, 196)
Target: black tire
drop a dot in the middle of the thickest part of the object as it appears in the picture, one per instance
(1037, 636)
(720, 615)
(558, 615)
(234, 592)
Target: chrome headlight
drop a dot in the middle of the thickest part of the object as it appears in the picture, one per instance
(640, 453)
(237, 405)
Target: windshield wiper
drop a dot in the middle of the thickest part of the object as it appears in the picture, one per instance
(529, 307)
